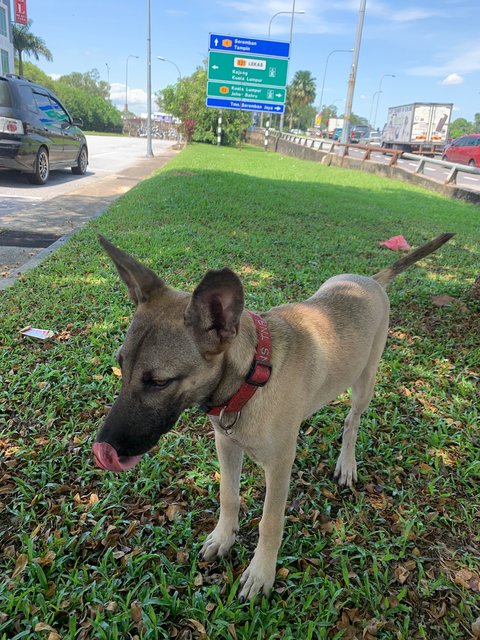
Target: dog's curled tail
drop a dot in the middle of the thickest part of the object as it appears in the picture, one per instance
(384, 276)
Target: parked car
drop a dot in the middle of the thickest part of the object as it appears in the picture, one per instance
(337, 133)
(358, 132)
(464, 150)
(37, 133)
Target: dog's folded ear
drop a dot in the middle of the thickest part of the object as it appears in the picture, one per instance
(140, 280)
(215, 309)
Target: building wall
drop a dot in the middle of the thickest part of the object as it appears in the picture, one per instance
(6, 46)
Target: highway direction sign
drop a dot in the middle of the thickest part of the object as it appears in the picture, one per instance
(244, 105)
(247, 73)
(257, 70)
(236, 44)
(245, 92)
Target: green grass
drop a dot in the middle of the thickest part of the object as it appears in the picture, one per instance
(100, 555)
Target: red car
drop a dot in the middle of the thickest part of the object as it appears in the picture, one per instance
(464, 150)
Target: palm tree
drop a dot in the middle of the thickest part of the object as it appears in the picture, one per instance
(302, 92)
(25, 41)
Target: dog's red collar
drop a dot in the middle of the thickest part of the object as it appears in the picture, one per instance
(258, 375)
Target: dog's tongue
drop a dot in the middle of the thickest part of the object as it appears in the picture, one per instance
(106, 457)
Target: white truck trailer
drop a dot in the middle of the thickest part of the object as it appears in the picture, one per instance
(421, 127)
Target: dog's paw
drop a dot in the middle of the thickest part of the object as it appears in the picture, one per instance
(257, 578)
(218, 544)
(346, 471)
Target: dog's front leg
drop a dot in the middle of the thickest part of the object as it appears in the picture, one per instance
(222, 537)
(260, 574)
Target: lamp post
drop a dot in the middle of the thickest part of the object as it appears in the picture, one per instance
(325, 75)
(126, 84)
(385, 75)
(370, 122)
(299, 12)
(171, 62)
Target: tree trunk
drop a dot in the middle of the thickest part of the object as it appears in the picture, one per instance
(20, 64)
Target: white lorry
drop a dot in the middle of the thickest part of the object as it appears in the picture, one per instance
(334, 123)
(421, 127)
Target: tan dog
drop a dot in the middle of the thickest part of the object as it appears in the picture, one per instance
(184, 349)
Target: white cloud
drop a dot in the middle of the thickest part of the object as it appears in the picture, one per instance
(137, 98)
(408, 15)
(465, 60)
(453, 78)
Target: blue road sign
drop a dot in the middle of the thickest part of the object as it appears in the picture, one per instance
(252, 46)
(244, 105)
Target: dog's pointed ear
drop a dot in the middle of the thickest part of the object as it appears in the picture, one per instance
(140, 280)
(214, 310)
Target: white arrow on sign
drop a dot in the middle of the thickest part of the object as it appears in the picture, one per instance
(215, 66)
(216, 42)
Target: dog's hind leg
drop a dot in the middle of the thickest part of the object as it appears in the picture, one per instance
(223, 536)
(362, 392)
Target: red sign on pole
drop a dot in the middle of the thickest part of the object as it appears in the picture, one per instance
(21, 11)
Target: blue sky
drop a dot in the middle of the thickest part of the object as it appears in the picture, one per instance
(432, 47)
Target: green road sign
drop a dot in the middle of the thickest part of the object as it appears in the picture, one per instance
(245, 92)
(254, 70)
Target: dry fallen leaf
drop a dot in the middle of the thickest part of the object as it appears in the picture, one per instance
(136, 611)
(43, 626)
(476, 628)
(401, 574)
(172, 511)
(20, 564)
(468, 579)
(197, 625)
(283, 572)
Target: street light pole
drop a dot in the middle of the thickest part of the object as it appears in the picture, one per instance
(299, 12)
(370, 121)
(149, 85)
(171, 62)
(325, 75)
(126, 84)
(385, 75)
(353, 74)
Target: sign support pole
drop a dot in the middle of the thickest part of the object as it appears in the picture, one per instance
(219, 128)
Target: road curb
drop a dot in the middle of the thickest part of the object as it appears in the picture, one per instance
(109, 189)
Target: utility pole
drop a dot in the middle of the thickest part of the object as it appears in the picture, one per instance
(353, 75)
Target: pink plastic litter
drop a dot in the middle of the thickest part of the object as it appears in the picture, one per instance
(396, 243)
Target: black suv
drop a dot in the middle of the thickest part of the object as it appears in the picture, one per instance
(36, 131)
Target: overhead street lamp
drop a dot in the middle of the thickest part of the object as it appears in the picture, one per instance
(171, 62)
(292, 14)
(325, 75)
(126, 83)
(299, 12)
(370, 122)
(385, 75)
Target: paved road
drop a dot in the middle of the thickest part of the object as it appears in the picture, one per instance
(32, 217)
(432, 171)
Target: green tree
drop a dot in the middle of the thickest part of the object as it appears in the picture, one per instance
(89, 82)
(460, 127)
(302, 92)
(25, 42)
(186, 101)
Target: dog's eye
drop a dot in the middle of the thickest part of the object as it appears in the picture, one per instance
(150, 381)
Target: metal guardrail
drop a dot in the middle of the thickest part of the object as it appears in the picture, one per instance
(454, 168)
(330, 146)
